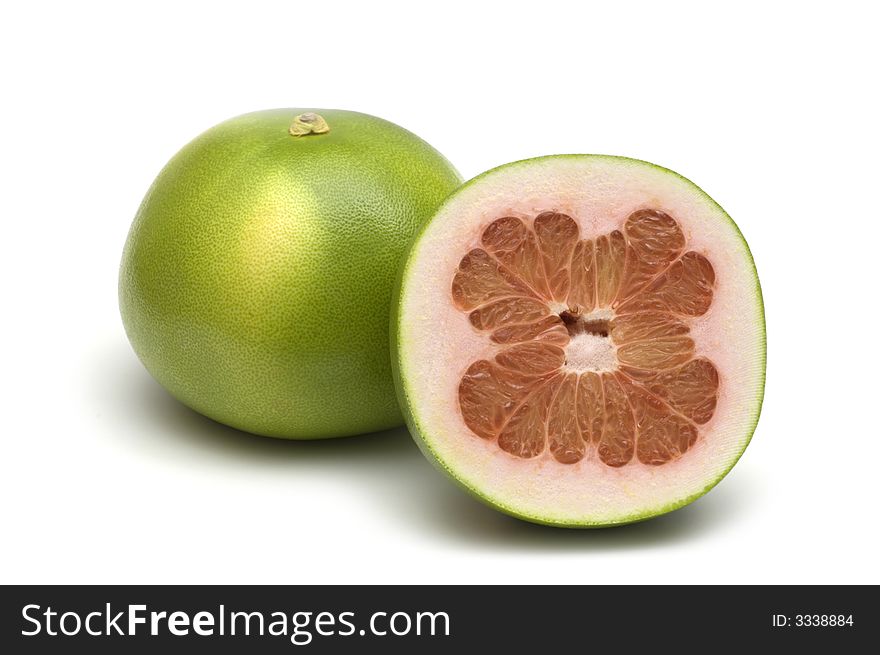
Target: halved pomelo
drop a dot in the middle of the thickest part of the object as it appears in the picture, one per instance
(580, 340)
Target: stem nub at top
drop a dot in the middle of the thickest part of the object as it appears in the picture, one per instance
(308, 123)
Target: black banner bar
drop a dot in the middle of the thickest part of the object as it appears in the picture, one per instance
(399, 619)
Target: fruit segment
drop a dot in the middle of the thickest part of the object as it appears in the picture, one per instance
(480, 280)
(610, 262)
(685, 289)
(654, 241)
(533, 358)
(489, 394)
(614, 372)
(663, 434)
(617, 443)
(582, 293)
(656, 354)
(557, 238)
(645, 326)
(691, 389)
(508, 311)
(525, 435)
(590, 407)
(516, 247)
(550, 329)
(564, 436)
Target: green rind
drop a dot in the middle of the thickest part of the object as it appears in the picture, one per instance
(256, 279)
(417, 431)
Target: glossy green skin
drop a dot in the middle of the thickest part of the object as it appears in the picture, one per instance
(257, 276)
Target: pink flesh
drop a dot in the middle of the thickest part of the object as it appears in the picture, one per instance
(529, 398)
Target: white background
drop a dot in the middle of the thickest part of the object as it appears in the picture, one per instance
(772, 108)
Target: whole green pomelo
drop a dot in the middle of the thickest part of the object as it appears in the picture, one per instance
(257, 277)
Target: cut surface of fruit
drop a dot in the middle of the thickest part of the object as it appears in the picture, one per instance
(626, 364)
(581, 340)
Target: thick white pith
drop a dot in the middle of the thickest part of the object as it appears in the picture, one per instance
(437, 343)
(590, 352)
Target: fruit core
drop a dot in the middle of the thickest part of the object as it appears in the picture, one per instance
(595, 357)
